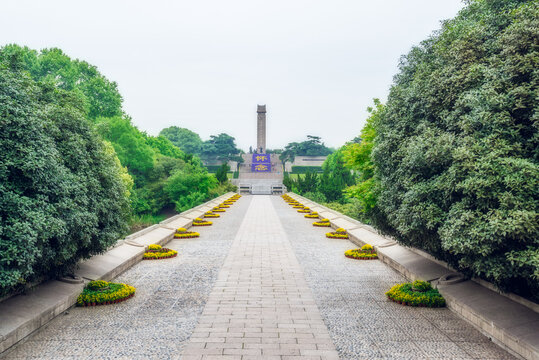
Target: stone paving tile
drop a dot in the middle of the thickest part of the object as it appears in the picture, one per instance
(362, 323)
(261, 306)
(157, 322)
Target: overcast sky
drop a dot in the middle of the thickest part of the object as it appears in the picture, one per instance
(205, 65)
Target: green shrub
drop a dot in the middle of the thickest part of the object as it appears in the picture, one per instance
(457, 149)
(222, 173)
(63, 194)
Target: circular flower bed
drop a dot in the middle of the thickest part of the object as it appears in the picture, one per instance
(298, 206)
(200, 222)
(156, 252)
(418, 293)
(216, 209)
(365, 253)
(223, 206)
(313, 215)
(101, 292)
(209, 214)
(340, 233)
(182, 233)
(322, 223)
(304, 210)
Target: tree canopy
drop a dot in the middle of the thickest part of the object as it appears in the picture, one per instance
(63, 193)
(185, 139)
(313, 146)
(220, 147)
(101, 96)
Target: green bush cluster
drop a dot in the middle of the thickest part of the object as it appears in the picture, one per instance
(74, 170)
(296, 169)
(450, 163)
(63, 194)
(327, 186)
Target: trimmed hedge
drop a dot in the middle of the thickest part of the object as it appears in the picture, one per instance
(296, 169)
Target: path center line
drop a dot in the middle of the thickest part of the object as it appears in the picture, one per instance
(261, 304)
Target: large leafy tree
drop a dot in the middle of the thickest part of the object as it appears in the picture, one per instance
(336, 177)
(313, 146)
(358, 156)
(63, 193)
(101, 96)
(220, 147)
(129, 143)
(185, 139)
(458, 148)
(148, 159)
(189, 186)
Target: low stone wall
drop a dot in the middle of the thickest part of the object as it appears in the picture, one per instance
(514, 325)
(21, 315)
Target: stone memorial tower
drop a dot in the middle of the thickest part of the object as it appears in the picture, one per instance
(261, 129)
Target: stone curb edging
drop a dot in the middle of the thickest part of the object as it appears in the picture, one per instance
(512, 324)
(23, 314)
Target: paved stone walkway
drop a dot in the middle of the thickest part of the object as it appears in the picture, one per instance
(362, 322)
(262, 283)
(261, 306)
(159, 319)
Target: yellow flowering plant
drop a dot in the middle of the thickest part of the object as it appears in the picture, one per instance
(367, 247)
(322, 223)
(340, 233)
(418, 293)
(200, 222)
(182, 233)
(161, 253)
(104, 293)
(360, 254)
(187, 235)
(210, 214)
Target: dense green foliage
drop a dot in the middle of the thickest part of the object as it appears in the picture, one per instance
(327, 186)
(357, 156)
(222, 173)
(220, 147)
(185, 139)
(63, 193)
(151, 161)
(101, 96)
(456, 150)
(74, 169)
